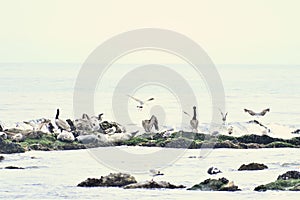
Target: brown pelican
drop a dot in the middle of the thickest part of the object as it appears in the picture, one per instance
(140, 101)
(259, 114)
(194, 122)
(38, 124)
(148, 124)
(62, 125)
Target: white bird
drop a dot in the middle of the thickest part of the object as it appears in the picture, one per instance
(62, 125)
(140, 101)
(148, 124)
(37, 124)
(155, 173)
(194, 122)
(257, 114)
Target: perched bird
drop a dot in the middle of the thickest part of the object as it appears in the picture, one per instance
(259, 114)
(141, 103)
(71, 124)
(213, 170)
(37, 124)
(148, 124)
(50, 127)
(194, 122)
(62, 125)
(155, 173)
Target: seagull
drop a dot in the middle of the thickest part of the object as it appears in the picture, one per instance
(154, 173)
(194, 122)
(259, 114)
(224, 116)
(148, 124)
(62, 125)
(37, 124)
(140, 101)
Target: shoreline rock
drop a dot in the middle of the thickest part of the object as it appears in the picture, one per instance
(153, 185)
(111, 180)
(221, 184)
(252, 166)
(289, 181)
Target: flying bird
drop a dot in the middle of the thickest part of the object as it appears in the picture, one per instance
(194, 122)
(141, 103)
(62, 125)
(257, 114)
(224, 116)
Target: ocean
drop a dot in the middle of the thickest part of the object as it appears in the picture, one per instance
(32, 91)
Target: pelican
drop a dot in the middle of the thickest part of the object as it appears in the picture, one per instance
(194, 122)
(259, 114)
(62, 125)
(154, 173)
(38, 124)
(148, 124)
(140, 101)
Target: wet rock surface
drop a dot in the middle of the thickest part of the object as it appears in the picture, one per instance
(253, 166)
(8, 147)
(289, 181)
(221, 184)
(111, 180)
(153, 185)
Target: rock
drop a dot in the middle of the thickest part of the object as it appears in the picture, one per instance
(253, 166)
(221, 184)
(264, 139)
(283, 185)
(87, 139)
(13, 167)
(153, 185)
(289, 175)
(39, 147)
(1, 158)
(111, 180)
(213, 170)
(226, 144)
(10, 147)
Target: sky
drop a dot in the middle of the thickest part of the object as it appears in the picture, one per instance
(231, 31)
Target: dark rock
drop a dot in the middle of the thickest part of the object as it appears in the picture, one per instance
(39, 147)
(281, 185)
(1, 158)
(13, 167)
(226, 144)
(289, 175)
(153, 185)
(264, 139)
(112, 180)
(8, 147)
(213, 170)
(253, 166)
(179, 143)
(221, 184)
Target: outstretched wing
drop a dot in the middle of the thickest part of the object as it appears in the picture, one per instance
(264, 111)
(140, 101)
(186, 113)
(250, 112)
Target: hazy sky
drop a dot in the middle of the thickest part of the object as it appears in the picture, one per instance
(231, 31)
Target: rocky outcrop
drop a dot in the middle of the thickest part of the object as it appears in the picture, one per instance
(8, 147)
(253, 166)
(289, 175)
(153, 185)
(289, 181)
(111, 180)
(221, 184)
